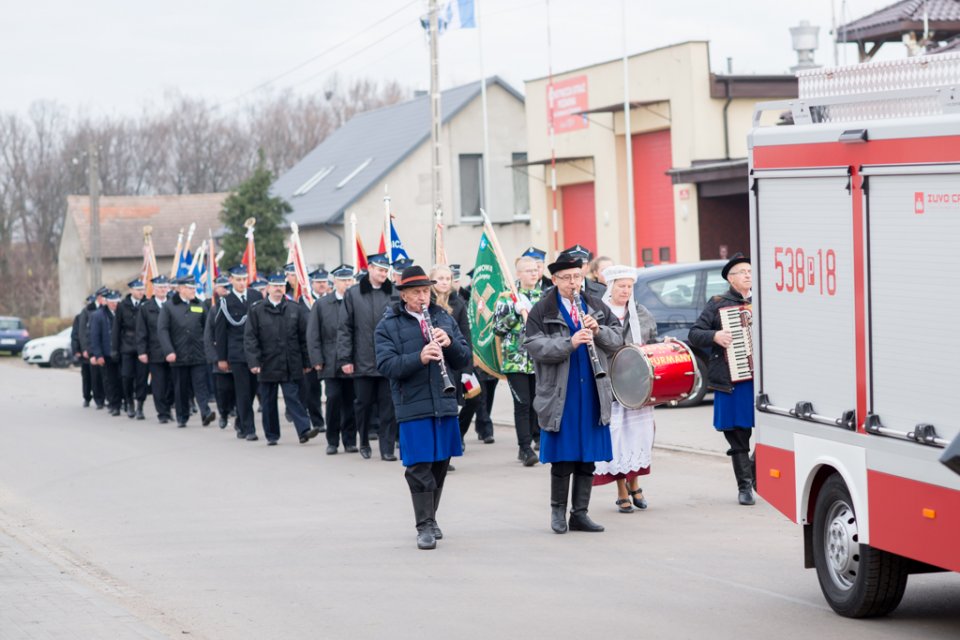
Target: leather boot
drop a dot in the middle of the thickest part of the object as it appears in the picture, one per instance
(140, 415)
(437, 533)
(753, 469)
(559, 489)
(741, 469)
(579, 520)
(424, 514)
(128, 407)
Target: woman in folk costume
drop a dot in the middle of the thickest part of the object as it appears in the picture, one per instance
(565, 329)
(631, 430)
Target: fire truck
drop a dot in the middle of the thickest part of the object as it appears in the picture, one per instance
(855, 234)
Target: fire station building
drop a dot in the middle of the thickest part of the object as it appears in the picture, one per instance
(688, 135)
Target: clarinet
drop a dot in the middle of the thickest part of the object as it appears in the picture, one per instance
(595, 363)
(448, 387)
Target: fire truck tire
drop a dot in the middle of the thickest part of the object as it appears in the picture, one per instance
(857, 580)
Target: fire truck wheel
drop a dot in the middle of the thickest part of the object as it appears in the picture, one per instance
(857, 580)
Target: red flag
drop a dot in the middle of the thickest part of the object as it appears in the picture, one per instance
(383, 244)
(302, 287)
(361, 255)
(250, 257)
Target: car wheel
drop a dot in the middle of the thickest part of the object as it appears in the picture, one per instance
(699, 391)
(857, 580)
(59, 359)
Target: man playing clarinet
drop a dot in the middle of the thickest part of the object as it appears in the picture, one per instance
(569, 337)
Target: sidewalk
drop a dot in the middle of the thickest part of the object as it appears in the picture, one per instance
(40, 600)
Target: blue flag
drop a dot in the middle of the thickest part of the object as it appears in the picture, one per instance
(183, 266)
(396, 247)
(461, 14)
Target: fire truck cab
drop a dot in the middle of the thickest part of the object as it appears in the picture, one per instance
(855, 232)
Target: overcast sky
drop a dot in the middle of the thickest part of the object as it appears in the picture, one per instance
(118, 56)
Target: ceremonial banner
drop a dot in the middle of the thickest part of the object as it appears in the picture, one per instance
(249, 259)
(489, 285)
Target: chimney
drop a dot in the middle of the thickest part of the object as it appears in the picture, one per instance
(804, 39)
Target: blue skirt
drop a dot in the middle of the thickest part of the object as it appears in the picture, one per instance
(429, 440)
(732, 410)
(581, 437)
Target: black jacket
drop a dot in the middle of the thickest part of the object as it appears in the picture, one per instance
(322, 332)
(101, 324)
(275, 340)
(83, 329)
(125, 328)
(180, 328)
(363, 307)
(418, 389)
(701, 335)
(231, 320)
(209, 342)
(75, 336)
(148, 337)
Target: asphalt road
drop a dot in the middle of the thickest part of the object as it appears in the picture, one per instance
(116, 528)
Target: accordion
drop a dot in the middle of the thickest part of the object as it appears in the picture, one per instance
(738, 320)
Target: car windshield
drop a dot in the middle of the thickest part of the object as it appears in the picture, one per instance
(10, 324)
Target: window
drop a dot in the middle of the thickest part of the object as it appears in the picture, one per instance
(715, 284)
(521, 186)
(676, 291)
(647, 256)
(353, 174)
(471, 184)
(664, 254)
(10, 324)
(314, 180)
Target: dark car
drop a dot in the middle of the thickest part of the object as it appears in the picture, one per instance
(13, 334)
(675, 294)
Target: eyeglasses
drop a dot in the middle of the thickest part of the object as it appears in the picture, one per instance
(570, 277)
(741, 272)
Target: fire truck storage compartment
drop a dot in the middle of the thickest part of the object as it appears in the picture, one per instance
(914, 260)
(805, 272)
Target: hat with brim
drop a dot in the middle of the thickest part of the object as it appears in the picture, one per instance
(135, 284)
(160, 280)
(186, 281)
(737, 258)
(564, 262)
(414, 277)
(277, 279)
(343, 272)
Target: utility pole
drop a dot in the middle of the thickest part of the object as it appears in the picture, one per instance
(631, 205)
(93, 174)
(434, 110)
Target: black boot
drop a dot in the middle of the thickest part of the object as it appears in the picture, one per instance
(424, 513)
(559, 489)
(140, 415)
(741, 469)
(579, 520)
(753, 469)
(437, 533)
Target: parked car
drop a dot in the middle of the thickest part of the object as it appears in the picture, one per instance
(13, 334)
(675, 294)
(49, 351)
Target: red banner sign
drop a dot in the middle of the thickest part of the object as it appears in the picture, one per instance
(565, 100)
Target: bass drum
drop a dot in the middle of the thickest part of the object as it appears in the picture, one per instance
(652, 374)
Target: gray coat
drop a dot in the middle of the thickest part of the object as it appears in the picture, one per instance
(322, 331)
(548, 343)
(363, 308)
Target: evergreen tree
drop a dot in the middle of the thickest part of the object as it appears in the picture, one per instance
(252, 199)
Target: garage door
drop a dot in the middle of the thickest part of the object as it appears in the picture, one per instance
(579, 215)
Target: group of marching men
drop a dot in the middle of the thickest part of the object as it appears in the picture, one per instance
(386, 344)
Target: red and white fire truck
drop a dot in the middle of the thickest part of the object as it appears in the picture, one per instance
(855, 226)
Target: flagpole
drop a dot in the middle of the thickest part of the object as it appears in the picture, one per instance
(176, 255)
(434, 107)
(250, 253)
(631, 205)
(299, 264)
(488, 228)
(356, 249)
(387, 235)
(553, 141)
(485, 191)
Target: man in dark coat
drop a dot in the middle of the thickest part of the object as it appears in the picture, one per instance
(180, 328)
(413, 350)
(133, 373)
(563, 331)
(222, 381)
(311, 389)
(83, 336)
(322, 331)
(231, 320)
(150, 352)
(77, 349)
(102, 355)
(275, 342)
(363, 307)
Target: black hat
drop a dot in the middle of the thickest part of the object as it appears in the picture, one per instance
(734, 261)
(414, 277)
(579, 251)
(565, 261)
